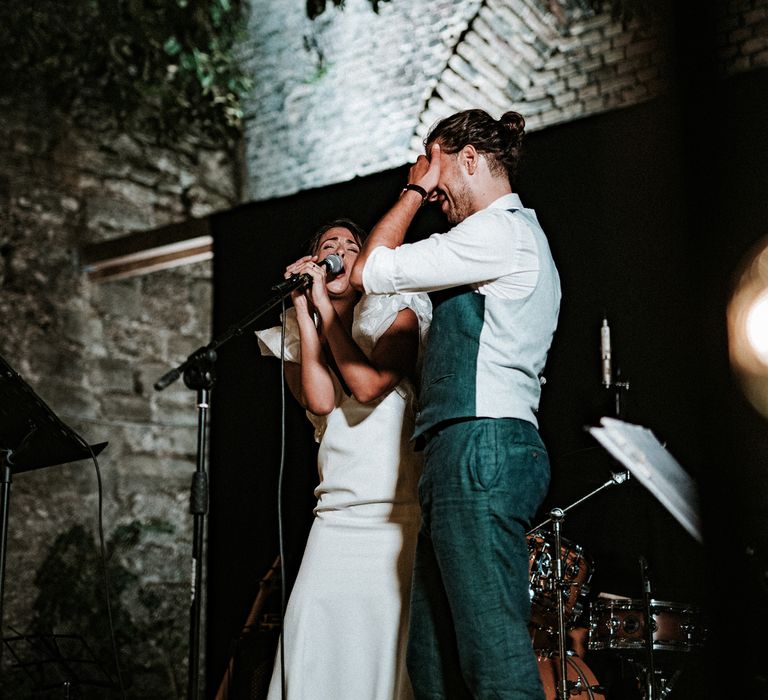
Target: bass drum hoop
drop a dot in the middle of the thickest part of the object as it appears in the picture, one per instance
(576, 671)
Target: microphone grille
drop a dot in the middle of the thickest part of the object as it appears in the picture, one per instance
(333, 264)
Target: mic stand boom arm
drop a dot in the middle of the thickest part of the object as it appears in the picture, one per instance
(199, 375)
(207, 353)
(615, 480)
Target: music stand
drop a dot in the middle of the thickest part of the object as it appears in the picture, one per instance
(53, 661)
(639, 451)
(31, 437)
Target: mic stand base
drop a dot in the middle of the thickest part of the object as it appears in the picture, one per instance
(6, 477)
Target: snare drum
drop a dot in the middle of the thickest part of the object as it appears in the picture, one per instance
(620, 625)
(577, 572)
(582, 681)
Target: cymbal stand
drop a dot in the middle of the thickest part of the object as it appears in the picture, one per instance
(560, 586)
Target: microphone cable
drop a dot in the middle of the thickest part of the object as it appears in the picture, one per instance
(280, 536)
(102, 556)
(105, 571)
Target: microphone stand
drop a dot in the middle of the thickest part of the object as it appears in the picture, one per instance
(556, 517)
(199, 375)
(609, 380)
(619, 387)
(648, 631)
(615, 480)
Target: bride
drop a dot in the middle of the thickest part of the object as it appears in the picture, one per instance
(351, 362)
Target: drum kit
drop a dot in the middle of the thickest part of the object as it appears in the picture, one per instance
(649, 637)
(611, 626)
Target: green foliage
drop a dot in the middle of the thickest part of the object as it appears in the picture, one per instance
(164, 65)
(317, 7)
(149, 621)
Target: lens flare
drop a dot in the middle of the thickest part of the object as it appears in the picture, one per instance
(757, 327)
(748, 327)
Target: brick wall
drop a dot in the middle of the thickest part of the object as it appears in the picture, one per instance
(354, 92)
(742, 35)
(340, 96)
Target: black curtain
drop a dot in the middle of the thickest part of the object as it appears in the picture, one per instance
(253, 244)
(648, 211)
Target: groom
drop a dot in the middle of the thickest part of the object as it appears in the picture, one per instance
(486, 469)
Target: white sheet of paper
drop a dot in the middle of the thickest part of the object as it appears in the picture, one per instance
(639, 451)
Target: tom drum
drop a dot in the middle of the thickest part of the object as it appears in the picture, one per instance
(577, 572)
(620, 625)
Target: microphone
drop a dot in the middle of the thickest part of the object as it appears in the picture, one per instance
(333, 264)
(605, 353)
(645, 574)
(619, 477)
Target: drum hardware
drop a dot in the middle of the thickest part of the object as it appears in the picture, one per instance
(581, 680)
(561, 587)
(664, 684)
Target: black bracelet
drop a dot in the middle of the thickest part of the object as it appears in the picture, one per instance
(416, 188)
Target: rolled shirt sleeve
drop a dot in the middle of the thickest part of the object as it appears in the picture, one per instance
(492, 251)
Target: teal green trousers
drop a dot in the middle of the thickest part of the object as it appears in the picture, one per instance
(482, 483)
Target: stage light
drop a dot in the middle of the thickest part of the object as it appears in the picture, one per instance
(748, 327)
(757, 327)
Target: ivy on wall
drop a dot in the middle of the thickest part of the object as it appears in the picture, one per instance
(316, 7)
(149, 621)
(163, 65)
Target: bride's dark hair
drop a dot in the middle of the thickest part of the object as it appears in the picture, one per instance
(359, 234)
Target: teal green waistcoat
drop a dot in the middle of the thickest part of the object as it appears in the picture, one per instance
(485, 354)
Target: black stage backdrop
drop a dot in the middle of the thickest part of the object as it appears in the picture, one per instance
(648, 211)
(253, 244)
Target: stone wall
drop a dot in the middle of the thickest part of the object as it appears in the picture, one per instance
(346, 95)
(92, 352)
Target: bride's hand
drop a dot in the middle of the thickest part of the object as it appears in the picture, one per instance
(315, 293)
